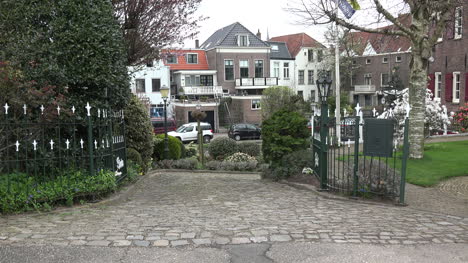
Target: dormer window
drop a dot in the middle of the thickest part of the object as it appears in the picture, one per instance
(274, 47)
(243, 40)
(172, 59)
(192, 58)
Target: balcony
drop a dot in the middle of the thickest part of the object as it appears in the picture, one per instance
(364, 88)
(206, 90)
(253, 83)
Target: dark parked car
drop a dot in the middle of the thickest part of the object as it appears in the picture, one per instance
(244, 131)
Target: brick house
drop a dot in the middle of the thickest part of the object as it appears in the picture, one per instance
(448, 71)
(242, 62)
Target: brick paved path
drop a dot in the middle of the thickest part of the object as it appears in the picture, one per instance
(176, 209)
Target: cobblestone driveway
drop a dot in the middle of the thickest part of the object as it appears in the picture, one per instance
(176, 209)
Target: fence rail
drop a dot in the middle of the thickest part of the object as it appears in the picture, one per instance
(43, 142)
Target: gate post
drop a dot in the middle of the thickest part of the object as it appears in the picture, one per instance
(90, 140)
(357, 136)
(403, 164)
(323, 147)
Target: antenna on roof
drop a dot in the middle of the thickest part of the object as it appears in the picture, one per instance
(268, 35)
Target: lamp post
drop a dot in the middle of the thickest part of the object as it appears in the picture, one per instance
(324, 87)
(200, 135)
(165, 94)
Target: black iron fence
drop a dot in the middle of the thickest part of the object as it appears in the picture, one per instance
(41, 143)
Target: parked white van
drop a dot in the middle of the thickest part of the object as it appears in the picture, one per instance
(188, 132)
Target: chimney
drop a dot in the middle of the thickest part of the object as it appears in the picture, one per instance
(197, 43)
(259, 35)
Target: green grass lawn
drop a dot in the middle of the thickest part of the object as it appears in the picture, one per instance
(441, 161)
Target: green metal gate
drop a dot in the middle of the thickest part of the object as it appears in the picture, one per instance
(361, 162)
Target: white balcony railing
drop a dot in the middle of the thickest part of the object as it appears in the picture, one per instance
(364, 88)
(206, 90)
(256, 82)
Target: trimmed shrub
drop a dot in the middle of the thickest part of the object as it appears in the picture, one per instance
(139, 131)
(231, 166)
(250, 148)
(188, 164)
(173, 144)
(183, 151)
(191, 150)
(240, 157)
(134, 156)
(221, 147)
(283, 133)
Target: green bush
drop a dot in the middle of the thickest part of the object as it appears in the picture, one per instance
(231, 166)
(250, 148)
(283, 133)
(134, 156)
(139, 131)
(28, 193)
(291, 164)
(186, 164)
(221, 147)
(173, 145)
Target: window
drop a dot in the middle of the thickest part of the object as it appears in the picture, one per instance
(243, 40)
(368, 61)
(228, 69)
(385, 60)
(458, 22)
(286, 70)
(438, 85)
(255, 104)
(311, 55)
(156, 85)
(259, 68)
(319, 55)
(140, 85)
(206, 80)
(244, 68)
(300, 93)
(192, 80)
(276, 69)
(274, 48)
(368, 79)
(310, 76)
(192, 58)
(456, 87)
(384, 79)
(367, 100)
(354, 62)
(398, 59)
(312, 95)
(301, 77)
(172, 59)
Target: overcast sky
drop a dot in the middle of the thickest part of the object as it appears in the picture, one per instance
(271, 15)
(254, 15)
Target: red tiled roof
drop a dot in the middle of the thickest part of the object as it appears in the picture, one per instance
(296, 41)
(381, 43)
(182, 60)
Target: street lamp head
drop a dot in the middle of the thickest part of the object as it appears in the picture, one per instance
(164, 92)
(324, 87)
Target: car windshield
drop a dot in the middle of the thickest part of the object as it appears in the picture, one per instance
(181, 129)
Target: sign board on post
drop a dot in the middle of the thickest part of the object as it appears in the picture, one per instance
(378, 137)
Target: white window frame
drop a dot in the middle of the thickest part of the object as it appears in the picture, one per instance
(239, 40)
(286, 70)
(368, 75)
(455, 86)
(233, 69)
(299, 77)
(458, 22)
(255, 106)
(381, 79)
(398, 60)
(140, 80)
(368, 61)
(240, 66)
(276, 69)
(174, 56)
(255, 68)
(437, 84)
(187, 56)
(385, 60)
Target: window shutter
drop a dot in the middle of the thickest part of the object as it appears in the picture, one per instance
(448, 87)
(431, 84)
(466, 87)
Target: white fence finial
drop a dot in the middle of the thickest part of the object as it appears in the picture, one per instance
(358, 109)
(88, 108)
(67, 142)
(82, 143)
(73, 109)
(24, 109)
(6, 108)
(34, 145)
(374, 111)
(17, 144)
(58, 110)
(42, 109)
(408, 109)
(51, 144)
